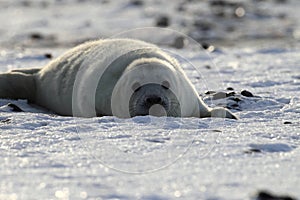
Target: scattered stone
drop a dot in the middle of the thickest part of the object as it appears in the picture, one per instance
(236, 99)
(44, 4)
(281, 1)
(181, 8)
(230, 94)
(252, 150)
(5, 121)
(229, 88)
(230, 28)
(158, 140)
(36, 36)
(210, 92)
(265, 195)
(179, 42)
(207, 46)
(217, 3)
(287, 122)
(137, 2)
(207, 66)
(48, 55)
(219, 95)
(163, 21)
(203, 25)
(15, 108)
(26, 3)
(247, 93)
(232, 106)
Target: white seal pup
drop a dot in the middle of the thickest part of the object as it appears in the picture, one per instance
(120, 77)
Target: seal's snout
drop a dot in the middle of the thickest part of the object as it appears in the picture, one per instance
(153, 99)
(155, 105)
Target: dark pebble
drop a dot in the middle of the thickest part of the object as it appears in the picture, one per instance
(137, 2)
(205, 45)
(6, 121)
(217, 3)
(14, 107)
(26, 3)
(236, 99)
(246, 93)
(44, 4)
(203, 25)
(229, 88)
(287, 122)
(230, 94)
(232, 106)
(163, 21)
(249, 151)
(210, 92)
(265, 195)
(230, 28)
(219, 95)
(281, 1)
(48, 55)
(179, 42)
(208, 47)
(36, 36)
(156, 140)
(181, 8)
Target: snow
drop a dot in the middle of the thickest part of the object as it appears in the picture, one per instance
(45, 156)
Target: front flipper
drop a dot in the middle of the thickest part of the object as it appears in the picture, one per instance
(222, 113)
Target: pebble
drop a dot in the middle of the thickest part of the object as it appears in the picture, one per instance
(236, 99)
(179, 42)
(247, 93)
(14, 107)
(249, 151)
(36, 36)
(163, 21)
(207, 46)
(219, 95)
(232, 106)
(265, 195)
(230, 94)
(210, 92)
(203, 25)
(137, 2)
(6, 121)
(48, 55)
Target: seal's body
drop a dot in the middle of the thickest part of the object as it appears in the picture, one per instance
(120, 77)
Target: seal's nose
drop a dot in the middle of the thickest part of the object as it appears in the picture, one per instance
(151, 100)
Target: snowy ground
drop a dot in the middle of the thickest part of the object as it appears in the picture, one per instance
(45, 156)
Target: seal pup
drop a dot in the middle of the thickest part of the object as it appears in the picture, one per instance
(119, 77)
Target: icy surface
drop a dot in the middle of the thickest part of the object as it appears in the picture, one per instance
(45, 156)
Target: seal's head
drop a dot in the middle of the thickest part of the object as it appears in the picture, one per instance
(154, 99)
(148, 86)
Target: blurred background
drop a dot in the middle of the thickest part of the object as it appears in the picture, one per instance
(65, 23)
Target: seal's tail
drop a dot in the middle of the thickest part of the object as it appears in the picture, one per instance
(18, 84)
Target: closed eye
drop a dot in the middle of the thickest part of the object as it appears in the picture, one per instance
(165, 85)
(136, 86)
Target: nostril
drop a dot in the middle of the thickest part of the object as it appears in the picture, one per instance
(154, 100)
